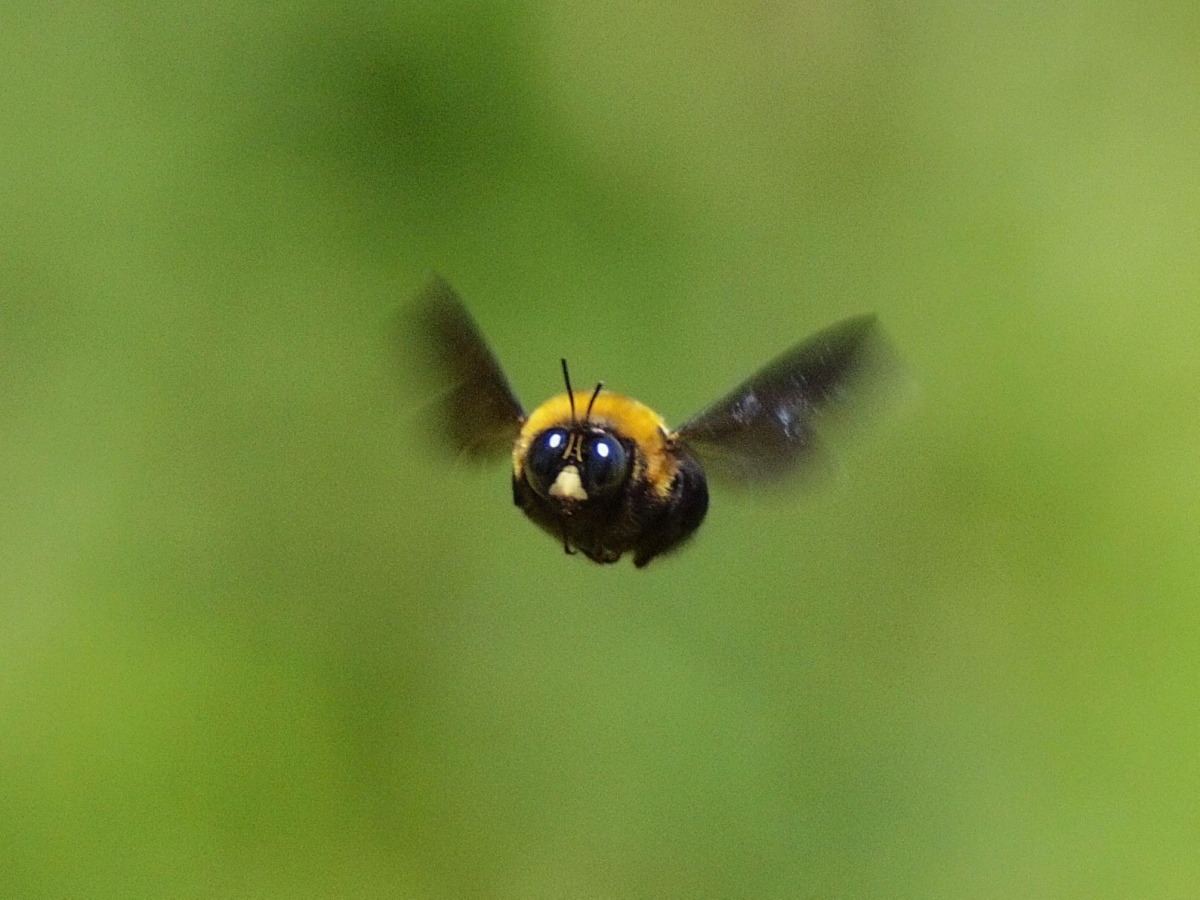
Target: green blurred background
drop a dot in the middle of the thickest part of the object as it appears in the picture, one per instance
(257, 639)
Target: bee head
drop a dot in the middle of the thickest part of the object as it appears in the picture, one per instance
(577, 460)
(616, 446)
(576, 464)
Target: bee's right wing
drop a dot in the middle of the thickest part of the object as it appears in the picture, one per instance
(478, 414)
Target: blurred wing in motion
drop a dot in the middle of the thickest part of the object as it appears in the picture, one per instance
(478, 414)
(763, 429)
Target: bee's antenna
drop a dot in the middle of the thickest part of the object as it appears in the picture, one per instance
(570, 393)
(592, 402)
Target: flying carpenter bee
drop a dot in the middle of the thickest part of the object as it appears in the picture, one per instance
(603, 473)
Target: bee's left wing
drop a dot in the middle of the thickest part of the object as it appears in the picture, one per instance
(763, 429)
(479, 415)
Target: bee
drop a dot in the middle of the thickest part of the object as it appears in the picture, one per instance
(603, 473)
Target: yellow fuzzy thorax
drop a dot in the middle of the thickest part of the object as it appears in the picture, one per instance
(619, 414)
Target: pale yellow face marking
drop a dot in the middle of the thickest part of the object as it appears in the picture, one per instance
(567, 485)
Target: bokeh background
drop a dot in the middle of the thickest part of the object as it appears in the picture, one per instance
(258, 639)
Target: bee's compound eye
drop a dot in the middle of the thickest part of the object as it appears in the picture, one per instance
(544, 459)
(606, 462)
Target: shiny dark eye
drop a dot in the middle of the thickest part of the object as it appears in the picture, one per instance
(544, 459)
(606, 464)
